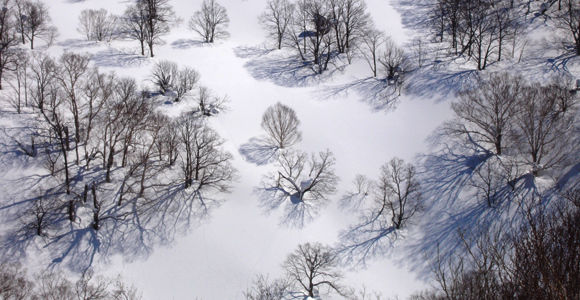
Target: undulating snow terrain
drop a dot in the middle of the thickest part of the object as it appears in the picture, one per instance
(218, 255)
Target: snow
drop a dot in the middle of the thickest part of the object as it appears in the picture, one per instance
(219, 258)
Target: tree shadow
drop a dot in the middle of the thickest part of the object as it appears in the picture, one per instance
(452, 206)
(119, 58)
(187, 44)
(378, 93)
(132, 228)
(439, 80)
(258, 151)
(79, 44)
(415, 14)
(246, 52)
(282, 68)
(296, 213)
(372, 237)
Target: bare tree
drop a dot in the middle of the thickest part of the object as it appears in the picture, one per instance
(9, 54)
(14, 282)
(544, 136)
(98, 25)
(186, 81)
(281, 125)
(398, 191)
(485, 114)
(312, 35)
(314, 266)
(35, 21)
(568, 21)
(42, 76)
(276, 19)
(134, 24)
(204, 162)
(167, 76)
(263, 289)
(20, 83)
(72, 68)
(350, 21)
(394, 61)
(159, 18)
(163, 74)
(307, 179)
(210, 22)
(42, 215)
(372, 40)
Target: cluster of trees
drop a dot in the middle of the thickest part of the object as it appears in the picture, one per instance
(147, 21)
(49, 285)
(482, 30)
(91, 119)
(321, 30)
(526, 124)
(535, 261)
(22, 21)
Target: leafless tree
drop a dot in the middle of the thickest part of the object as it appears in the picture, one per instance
(43, 215)
(486, 113)
(350, 21)
(568, 21)
(546, 137)
(35, 21)
(307, 179)
(9, 54)
(42, 76)
(419, 50)
(54, 115)
(98, 25)
(163, 74)
(264, 289)
(276, 19)
(204, 163)
(134, 24)
(281, 124)
(211, 21)
(372, 40)
(314, 266)
(186, 81)
(167, 76)
(14, 282)
(394, 61)
(398, 191)
(311, 33)
(20, 83)
(209, 103)
(97, 90)
(72, 68)
(91, 287)
(159, 19)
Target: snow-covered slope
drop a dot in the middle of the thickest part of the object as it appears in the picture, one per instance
(218, 257)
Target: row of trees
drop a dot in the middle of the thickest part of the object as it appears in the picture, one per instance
(147, 21)
(480, 29)
(49, 285)
(317, 29)
(321, 30)
(22, 21)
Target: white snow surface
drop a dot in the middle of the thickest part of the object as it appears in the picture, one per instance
(219, 258)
